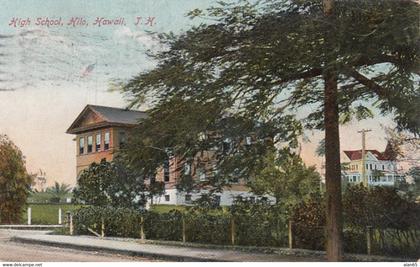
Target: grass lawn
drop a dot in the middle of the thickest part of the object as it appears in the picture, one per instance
(48, 213)
(166, 208)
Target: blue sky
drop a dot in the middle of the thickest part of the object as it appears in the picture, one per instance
(48, 74)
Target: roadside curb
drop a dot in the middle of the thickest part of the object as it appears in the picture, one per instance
(127, 252)
(183, 258)
(298, 252)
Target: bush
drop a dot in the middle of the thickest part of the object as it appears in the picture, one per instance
(122, 222)
(395, 222)
(163, 226)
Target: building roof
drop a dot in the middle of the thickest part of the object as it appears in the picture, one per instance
(119, 115)
(357, 154)
(109, 116)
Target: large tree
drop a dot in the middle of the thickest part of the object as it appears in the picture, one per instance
(15, 181)
(326, 62)
(111, 184)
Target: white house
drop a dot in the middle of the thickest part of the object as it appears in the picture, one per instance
(375, 163)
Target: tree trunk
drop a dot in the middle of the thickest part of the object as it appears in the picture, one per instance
(332, 169)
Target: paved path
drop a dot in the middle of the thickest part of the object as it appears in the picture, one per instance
(19, 252)
(134, 248)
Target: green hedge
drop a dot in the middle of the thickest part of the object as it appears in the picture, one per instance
(251, 228)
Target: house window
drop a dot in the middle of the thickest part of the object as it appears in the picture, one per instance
(383, 167)
(89, 144)
(81, 145)
(166, 171)
(122, 138)
(370, 166)
(367, 166)
(107, 139)
(98, 142)
(188, 198)
(167, 198)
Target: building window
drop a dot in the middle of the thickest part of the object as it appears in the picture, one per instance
(167, 198)
(166, 171)
(367, 166)
(188, 198)
(370, 166)
(89, 144)
(248, 140)
(201, 174)
(122, 139)
(107, 139)
(98, 142)
(81, 145)
(383, 167)
(187, 168)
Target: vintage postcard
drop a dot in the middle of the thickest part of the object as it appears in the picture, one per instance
(209, 131)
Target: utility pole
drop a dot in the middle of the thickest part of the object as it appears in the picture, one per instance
(364, 178)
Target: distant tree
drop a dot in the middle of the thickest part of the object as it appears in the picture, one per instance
(58, 191)
(15, 181)
(111, 184)
(285, 177)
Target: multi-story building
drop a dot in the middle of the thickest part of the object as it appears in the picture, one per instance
(380, 168)
(101, 131)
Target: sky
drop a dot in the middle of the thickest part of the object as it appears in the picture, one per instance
(49, 73)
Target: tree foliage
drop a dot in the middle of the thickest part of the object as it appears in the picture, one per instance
(15, 181)
(285, 177)
(111, 184)
(58, 191)
(261, 63)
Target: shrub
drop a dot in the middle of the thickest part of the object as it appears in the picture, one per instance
(395, 222)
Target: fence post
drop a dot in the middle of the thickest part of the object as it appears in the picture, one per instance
(59, 216)
(232, 230)
(184, 237)
(142, 236)
(102, 228)
(369, 239)
(290, 230)
(71, 223)
(29, 216)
